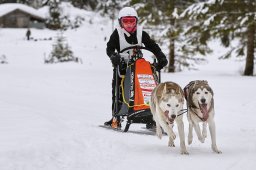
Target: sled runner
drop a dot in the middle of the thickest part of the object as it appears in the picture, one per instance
(138, 78)
(142, 131)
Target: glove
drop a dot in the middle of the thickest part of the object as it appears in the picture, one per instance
(115, 59)
(162, 62)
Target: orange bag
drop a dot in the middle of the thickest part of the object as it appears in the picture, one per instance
(144, 84)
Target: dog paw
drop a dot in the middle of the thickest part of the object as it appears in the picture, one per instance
(184, 152)
(215, 149)
(218, 151)
(201, 139)
(171, 144)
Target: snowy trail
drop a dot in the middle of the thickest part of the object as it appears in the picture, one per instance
(53, 118)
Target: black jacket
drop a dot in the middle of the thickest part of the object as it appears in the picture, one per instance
(113, 43)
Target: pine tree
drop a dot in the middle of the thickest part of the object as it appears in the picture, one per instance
(227, 20)
(61, 51)
(54, 22)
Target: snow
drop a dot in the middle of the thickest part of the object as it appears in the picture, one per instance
(9, 7)
(68, 10)
(49, 114)
(209, 20)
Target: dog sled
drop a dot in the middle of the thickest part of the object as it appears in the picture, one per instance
(138, 78)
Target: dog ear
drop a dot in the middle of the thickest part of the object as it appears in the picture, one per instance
(165, 89)
(181, 92)
(210, 89)
(207, 86)
(205, 82)
(190, 97)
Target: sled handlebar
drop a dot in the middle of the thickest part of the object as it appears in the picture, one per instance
(145, 48)
(136, 47)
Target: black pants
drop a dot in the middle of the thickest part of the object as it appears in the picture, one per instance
(114, 84)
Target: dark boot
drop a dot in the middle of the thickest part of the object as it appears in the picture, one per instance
(108, 123)
(115, 123)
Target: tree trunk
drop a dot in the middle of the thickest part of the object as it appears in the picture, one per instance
(171, 66)
(250, 50)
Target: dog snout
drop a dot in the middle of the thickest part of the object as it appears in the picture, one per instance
(173, 116)
(203, 100)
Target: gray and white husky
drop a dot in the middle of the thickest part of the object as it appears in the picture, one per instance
(166, 104)
(199, 96)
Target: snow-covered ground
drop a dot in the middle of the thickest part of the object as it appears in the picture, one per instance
(49, 114)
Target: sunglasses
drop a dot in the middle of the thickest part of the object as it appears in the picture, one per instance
(128, 20)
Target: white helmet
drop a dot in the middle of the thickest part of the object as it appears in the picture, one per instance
(127, 11)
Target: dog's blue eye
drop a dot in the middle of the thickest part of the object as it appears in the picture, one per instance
(168, 105)
(197, 93)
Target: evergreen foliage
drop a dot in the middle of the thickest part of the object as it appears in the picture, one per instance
(16, 1)
(59, 21)
(163, 18)
(182, 27)
(54, 21)
(61, 51)
(227, 20)
(111, 8)
(86, 4)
